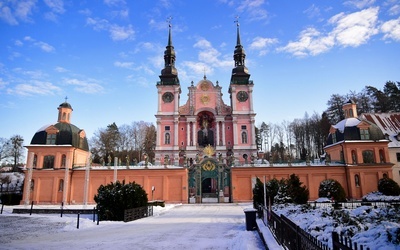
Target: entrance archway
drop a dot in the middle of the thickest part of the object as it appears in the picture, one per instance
(209, 182)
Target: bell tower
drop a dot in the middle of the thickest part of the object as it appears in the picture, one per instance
(167, 116)
(241, 95)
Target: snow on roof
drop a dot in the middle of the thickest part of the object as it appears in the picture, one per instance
(349, 122)
(43, 128)
(388, 123)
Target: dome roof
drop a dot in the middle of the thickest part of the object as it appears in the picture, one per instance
(347, 130)
(68, 134)
(65, 105)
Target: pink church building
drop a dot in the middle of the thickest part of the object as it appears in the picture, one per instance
(184, 130)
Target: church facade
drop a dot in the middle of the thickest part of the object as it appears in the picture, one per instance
(205, 149)
(184, 130)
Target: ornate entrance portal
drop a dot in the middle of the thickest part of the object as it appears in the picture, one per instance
(209, 182)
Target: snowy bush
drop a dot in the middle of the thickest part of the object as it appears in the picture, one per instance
(113, 199)
(332, 189)
(292, 191)
(389, 187)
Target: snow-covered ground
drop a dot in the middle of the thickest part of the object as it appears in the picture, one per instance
(219, 226)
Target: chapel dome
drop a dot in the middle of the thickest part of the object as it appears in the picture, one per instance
(67, 134)
(347, 129)
(65, 105)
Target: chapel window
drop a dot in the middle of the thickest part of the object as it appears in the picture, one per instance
(368, 156)
(34, 161)
(61, 185)
(48, 161)
(357, 180)
(63, 160)
(51, 139)
(364, 134)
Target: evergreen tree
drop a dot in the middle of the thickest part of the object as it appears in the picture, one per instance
(389, 187)
(332, 189)
(113, 199)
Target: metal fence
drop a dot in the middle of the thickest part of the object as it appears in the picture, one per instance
(292, 237)
(137, 213)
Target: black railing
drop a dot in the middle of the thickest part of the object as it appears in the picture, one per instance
(292, 237)
(137, 213)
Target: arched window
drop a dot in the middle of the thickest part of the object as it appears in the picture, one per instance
(61, 185)
(368, 156)
(63, 161)
(244, 137)
(357, 180)
(32, 184)
(167, 138)
(48, 161)
(354, 157)
(64, 116)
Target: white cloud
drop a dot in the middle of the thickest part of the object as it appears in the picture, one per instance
(394, 10)
(208, 54)
(262, 44)
(18, 43)
(114, 2)
(312, 12)
(14, 11)
(56, 6)
(391, 29)
(117, 33)
(60, 69)
(360, 4)
(352, 30)
(89, 86)
(254, 9)
(126, 65)
(42, 45)
(3, 83)
(356, 28)
(35, 87)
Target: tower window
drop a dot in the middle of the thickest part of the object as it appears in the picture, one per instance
(243, 127)
(167, 138)
(244, 137)
(34, 160)
(364, 134)
(51, 139)
(167, 128)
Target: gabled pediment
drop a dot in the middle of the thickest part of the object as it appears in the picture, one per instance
(51, 130)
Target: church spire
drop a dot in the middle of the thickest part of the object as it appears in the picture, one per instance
(240, 74)
(169, 75)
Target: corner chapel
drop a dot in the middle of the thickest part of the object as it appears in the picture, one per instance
(184, 130)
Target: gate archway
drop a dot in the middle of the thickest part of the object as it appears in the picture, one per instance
(209, 182)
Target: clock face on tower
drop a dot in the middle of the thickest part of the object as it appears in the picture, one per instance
(168, 97)
(242, 96)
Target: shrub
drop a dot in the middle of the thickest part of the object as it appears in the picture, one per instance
(388, 187)
(291, 190)
(113, 199)
(332, 189)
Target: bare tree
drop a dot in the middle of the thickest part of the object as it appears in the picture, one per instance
(16, 150)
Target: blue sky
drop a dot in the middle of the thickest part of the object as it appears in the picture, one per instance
(106, 56)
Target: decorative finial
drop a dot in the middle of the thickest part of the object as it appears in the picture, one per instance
(66, 98)
(217, 83)
(169, 19)
(192, 83)
(237, 20)
(205, 77)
